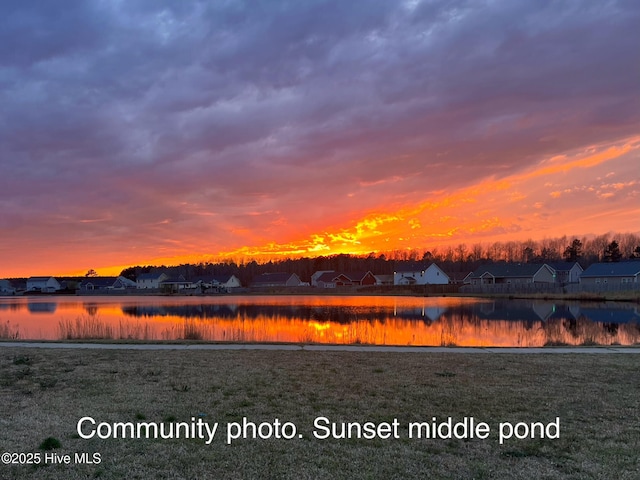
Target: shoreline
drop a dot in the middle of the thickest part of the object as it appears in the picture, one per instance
(186, 346)
(632, 296)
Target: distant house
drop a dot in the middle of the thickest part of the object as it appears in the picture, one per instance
(96, 284)
(349, 279)
(325, 280)
(566, 272)
(615, 273)
(383, 279)
(276, 280)
(6, 288)
(43, 284)
(218, 282)
(227, 281)
(150, 280)
(175, 284)
(419, 274)
(317, 275)
(331, 279)
(512, 273)
(456, 278)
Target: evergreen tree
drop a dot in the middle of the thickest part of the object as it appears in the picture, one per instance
(612, 253)
(574, 251)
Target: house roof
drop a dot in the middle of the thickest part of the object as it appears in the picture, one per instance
(267, 278)
(223, 278)
(318, 273)
(457, 277)
(127, 282)
(179, 279)
(105, 282)
(354, 276)
(214, 278)
(384, 277)
(327, 277)
(613, 269)
(563, 266)
(99, 281)
(504, 270)
(411, 267)
(39, 279)
(150, 276)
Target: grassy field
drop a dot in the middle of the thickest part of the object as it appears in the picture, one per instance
(43, 393)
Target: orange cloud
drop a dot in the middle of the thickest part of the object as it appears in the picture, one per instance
(486, 208)
(514, 207)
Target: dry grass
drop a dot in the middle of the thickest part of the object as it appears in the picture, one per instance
(92, 327)
(8, 331)
(44, 393)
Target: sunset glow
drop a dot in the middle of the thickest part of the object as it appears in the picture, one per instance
(300, 130)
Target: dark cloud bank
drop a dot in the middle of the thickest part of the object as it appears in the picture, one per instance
(125, 114)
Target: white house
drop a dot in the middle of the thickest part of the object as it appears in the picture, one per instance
(43, 284)
(150, 280)
(226, 282)
(417, 274)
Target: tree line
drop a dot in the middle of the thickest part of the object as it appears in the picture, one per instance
(455, 260)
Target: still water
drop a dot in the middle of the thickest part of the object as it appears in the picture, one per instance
(376, 320)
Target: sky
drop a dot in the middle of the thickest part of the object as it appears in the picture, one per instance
(161, 132)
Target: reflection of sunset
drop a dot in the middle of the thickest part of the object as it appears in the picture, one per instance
(364, 320)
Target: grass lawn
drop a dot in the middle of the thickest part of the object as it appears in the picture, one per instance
(43, 393)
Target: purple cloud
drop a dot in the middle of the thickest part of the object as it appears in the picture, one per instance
(127, 112)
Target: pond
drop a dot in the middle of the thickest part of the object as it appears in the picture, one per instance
(323, 319)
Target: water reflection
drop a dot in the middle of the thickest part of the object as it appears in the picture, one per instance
(325, 319)
(41, 307)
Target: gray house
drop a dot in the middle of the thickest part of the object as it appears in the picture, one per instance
(6, 288)
(104, 284)
(316, 276)
(615, 273)
(567, 272)
(512, 274)
(175, 284)
(331, 279)
(276, 280)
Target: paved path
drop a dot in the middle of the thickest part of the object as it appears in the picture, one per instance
(324, 348)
